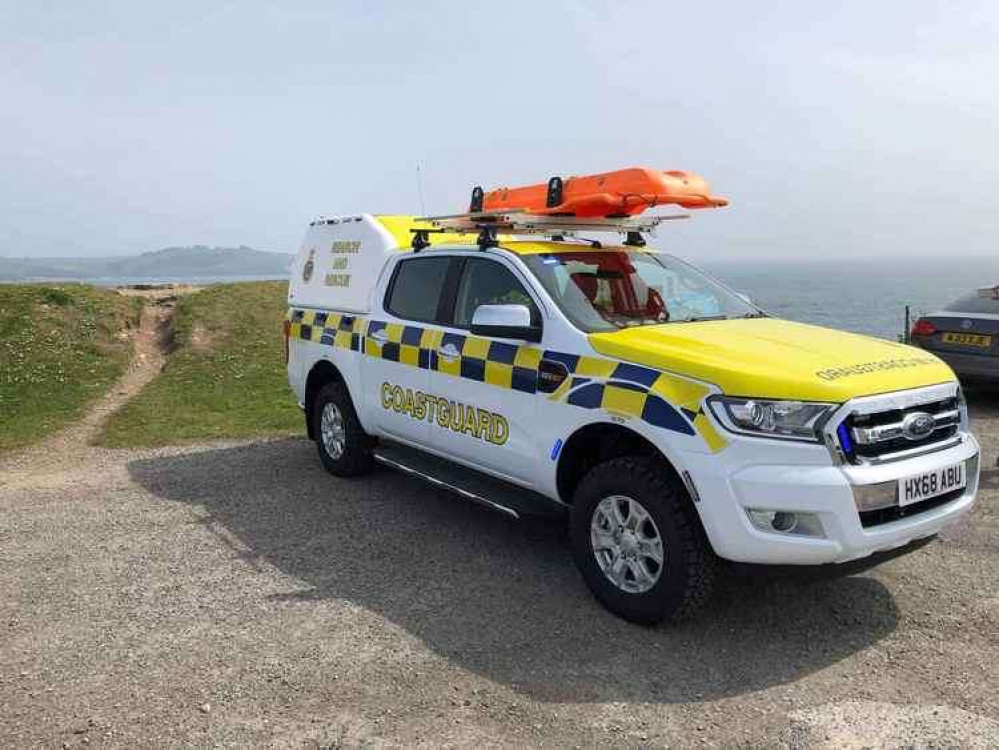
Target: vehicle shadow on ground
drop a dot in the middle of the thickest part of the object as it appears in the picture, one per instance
(502, 598)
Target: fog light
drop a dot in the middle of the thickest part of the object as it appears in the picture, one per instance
(786, 522)
(875, 496)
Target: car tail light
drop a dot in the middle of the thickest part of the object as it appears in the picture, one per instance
(287, 334)
(923, 327)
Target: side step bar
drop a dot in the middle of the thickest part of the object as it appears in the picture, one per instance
(496, 494)
(446, 486)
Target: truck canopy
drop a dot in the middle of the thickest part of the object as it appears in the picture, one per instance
(341, 257)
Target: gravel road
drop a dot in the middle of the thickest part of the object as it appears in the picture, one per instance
(234, 594)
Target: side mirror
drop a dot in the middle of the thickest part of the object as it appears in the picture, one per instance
(505, 322)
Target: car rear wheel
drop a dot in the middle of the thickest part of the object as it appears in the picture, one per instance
(344, 447)
(638, 543)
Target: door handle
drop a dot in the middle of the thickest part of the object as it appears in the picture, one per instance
(380, 336)
(449, 352)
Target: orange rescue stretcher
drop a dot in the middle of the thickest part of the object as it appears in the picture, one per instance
(624, 192)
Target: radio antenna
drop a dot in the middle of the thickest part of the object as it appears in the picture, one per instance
(419, 189)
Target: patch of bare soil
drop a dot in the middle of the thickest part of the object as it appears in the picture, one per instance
(201, 339)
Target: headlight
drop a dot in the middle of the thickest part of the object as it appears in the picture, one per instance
(788, 420)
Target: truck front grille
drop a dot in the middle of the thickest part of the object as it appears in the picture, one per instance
(881, 436)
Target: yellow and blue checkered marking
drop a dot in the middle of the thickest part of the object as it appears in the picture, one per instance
(329, 329)
(661, 399)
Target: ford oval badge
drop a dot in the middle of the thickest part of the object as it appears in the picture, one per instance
(918, 425)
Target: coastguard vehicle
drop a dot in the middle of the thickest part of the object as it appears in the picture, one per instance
(502, 355)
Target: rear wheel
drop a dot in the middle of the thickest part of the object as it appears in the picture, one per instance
(344, 447)
(638, 543)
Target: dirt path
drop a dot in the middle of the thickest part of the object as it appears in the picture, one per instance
(72, 446)
(149, 355)
(234, 595)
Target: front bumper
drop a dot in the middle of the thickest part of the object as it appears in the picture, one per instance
(800, 478)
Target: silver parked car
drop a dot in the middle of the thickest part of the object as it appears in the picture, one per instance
(965, 334)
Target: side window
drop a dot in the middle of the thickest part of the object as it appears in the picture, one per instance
(486, 282)
(415, 291)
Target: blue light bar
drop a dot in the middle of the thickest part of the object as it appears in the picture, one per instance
(844, 438)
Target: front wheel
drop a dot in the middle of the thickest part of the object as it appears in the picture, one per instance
(344, 447)
(638, 543)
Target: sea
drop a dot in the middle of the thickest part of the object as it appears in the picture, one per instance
(863, 296)
(860, 295)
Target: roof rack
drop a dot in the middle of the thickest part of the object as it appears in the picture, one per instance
(489, 224)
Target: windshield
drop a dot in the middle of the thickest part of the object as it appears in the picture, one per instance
(600, 290)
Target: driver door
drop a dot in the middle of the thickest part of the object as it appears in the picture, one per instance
(489, 383)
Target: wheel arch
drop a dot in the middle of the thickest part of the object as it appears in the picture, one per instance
(322, 372)
(596, 443)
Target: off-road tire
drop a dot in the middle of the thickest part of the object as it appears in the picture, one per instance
(356, 459)
(686, 578)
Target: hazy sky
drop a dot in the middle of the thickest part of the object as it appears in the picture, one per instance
(834, 128)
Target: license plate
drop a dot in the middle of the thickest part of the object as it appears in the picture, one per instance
(968, 339)
(931, 484)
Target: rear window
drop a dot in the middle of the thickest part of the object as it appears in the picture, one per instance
(415, 292)
(974, 303)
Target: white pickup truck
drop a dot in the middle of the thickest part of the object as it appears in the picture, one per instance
(674, 423)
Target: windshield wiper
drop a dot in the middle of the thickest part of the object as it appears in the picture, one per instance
(757, 314)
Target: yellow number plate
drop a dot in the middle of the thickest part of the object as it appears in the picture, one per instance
(968, 339)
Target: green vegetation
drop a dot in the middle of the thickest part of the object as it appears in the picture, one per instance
(224, 379)
(60, 347)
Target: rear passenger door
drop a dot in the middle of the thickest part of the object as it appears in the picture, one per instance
(398, 346)
(487, 385)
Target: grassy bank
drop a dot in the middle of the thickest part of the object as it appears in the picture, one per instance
(225, 378)
(60, 347)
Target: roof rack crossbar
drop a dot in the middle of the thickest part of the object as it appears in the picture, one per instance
(421, 238)
(521, 222)
(487, 238)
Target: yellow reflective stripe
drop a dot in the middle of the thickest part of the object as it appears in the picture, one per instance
(527, 357)
(431, 338)
(559, 393)
(499, 374)
(342, 339)
(708, 433)
(394, 332)
(409, 355)
(680, 392)
(449, 367)
(475, 347)
(623, 400)
(592, 367)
